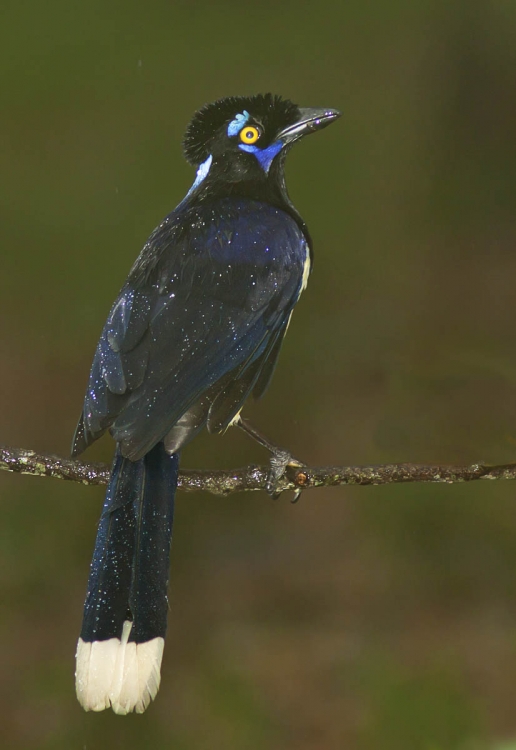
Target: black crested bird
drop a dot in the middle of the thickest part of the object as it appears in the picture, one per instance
(196, 328)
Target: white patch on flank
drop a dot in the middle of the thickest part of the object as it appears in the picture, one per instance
(118, 673)
(306, 270)
(235, 419)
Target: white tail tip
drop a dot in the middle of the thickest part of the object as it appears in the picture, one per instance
(118, 673)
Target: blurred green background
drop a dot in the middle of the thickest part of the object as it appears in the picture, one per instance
(367, 618)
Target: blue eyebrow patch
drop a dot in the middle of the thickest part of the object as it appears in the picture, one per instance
(236, 125)
(265, 155)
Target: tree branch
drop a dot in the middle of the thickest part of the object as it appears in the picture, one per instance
(224, 482)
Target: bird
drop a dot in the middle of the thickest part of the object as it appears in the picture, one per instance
(196, 328)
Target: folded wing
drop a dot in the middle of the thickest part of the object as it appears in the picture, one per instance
(196, 328)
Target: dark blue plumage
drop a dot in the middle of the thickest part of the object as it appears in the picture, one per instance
(214, 287)
(139, 507)
(196, 328)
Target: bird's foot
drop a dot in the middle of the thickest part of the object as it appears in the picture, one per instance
(282, 464)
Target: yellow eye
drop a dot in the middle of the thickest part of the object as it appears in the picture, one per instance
(249, 134)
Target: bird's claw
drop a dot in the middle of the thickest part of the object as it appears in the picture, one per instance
(281, 461)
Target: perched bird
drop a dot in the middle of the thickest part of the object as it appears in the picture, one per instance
(196, 328)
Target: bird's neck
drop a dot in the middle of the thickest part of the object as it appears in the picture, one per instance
(268, 188)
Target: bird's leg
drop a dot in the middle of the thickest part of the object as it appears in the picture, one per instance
(280, 459)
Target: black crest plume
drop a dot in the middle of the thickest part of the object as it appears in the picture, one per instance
(271, 110)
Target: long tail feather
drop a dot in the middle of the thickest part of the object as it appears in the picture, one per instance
(125, 614)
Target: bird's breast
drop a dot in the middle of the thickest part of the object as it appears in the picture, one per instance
(247, 231)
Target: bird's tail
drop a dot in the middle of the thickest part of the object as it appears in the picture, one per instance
(125, 614)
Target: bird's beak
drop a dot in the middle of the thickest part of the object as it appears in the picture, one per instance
(310, 120)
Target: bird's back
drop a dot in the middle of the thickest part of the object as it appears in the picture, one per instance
(197, 325)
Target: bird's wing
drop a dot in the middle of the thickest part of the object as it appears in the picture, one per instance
(206, 303)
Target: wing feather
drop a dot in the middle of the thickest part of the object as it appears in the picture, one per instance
(203, 311)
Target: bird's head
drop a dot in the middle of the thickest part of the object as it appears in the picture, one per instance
(243, 139)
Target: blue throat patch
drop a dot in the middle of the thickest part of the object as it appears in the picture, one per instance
(264, 155)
